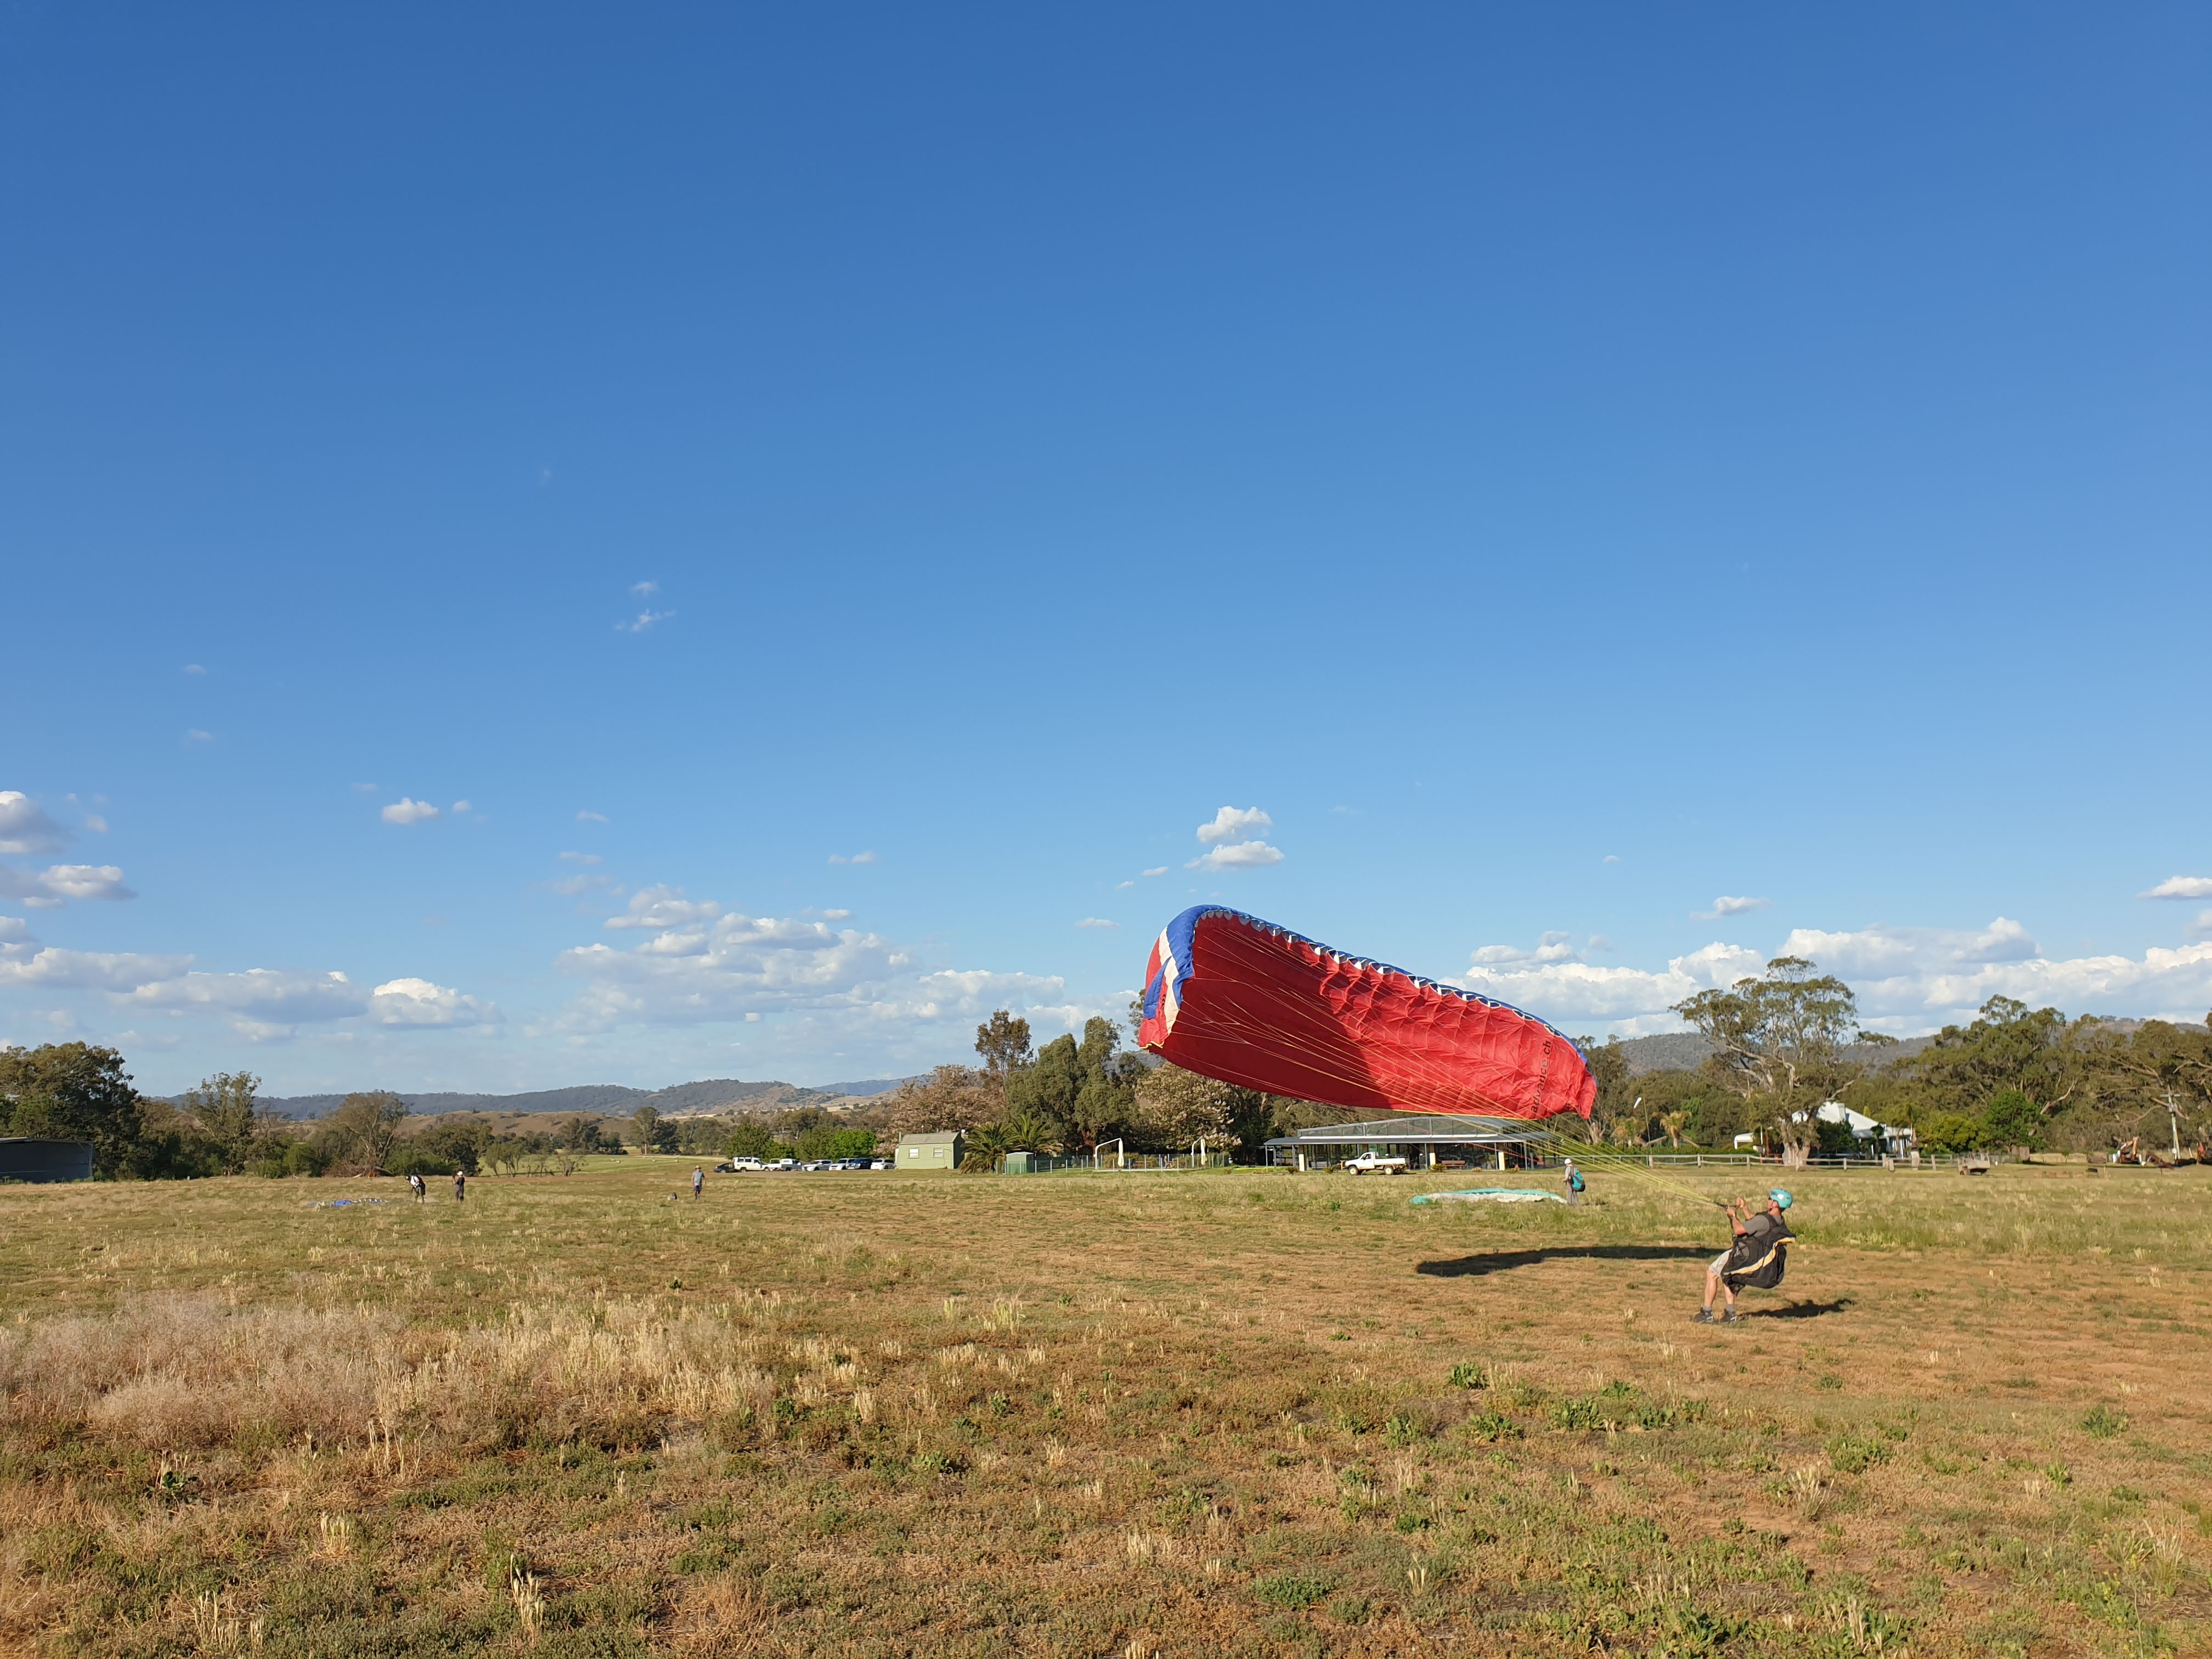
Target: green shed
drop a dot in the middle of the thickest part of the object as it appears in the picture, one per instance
(936, 1154)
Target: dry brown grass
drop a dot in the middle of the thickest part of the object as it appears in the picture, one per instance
(1157, 1415)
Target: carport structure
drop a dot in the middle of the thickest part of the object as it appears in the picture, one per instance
(1497, 1143)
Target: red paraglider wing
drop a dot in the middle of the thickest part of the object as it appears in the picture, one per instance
(1241, 999)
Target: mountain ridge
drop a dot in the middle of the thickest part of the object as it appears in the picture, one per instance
(695, 1098)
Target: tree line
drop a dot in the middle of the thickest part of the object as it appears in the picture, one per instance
(1078, 1094)
(82, 1092)
(1782, 1043)
(2014, 1078)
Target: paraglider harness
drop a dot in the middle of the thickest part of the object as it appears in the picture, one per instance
(1757, 1263)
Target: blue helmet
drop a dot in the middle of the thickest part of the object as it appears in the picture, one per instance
(1781, 1196)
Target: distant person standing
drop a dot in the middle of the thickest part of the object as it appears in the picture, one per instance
(415, 1186)
(698, 1181)
(461, 1188)
(1574, 1183)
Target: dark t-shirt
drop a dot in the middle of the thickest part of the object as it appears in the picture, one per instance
(1751, 1259)
(1759, 1231)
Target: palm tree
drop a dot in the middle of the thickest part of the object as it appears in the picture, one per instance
(1673, 1123)
(1024, 1131)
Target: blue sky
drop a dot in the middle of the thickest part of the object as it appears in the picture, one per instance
(1622, 492)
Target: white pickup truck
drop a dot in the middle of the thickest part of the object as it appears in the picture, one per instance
(1375, 1164)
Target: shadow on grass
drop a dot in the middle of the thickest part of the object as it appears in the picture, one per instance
(1498, 1261)
(1800, 1310)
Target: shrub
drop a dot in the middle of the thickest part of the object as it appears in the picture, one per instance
(1402, 1429)
(1577, 1414)
(1855, 1454)
(2103, 1423)
(1292, 1591)
(1468, 1375)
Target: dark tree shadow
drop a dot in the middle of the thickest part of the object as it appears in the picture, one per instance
(1498, 1261)
(1800, 1310)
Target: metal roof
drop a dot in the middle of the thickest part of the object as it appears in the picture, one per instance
(1435, 1129)
(937, 1138)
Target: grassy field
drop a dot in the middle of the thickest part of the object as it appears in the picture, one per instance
(1243, 1412)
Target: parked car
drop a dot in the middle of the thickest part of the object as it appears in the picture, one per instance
(1373, 1163)
(885, 1163)
(739, 1166)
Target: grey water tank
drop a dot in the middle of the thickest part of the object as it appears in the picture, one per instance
(25, 1159)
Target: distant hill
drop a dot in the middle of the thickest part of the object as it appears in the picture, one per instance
(1676, 1051)
(1684, 1051)
(604, 1099)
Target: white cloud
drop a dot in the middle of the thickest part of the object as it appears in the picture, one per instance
(1876, 953)
(2173, 887)
(364, 788)
(25, 828)
(1243, 855)
(837, 916)
(1727, 905)
(1156, 869)
(1552, 947)
(1096, 922)
(1562, 987)
(1119, 885)
(1907, 980)
(644, 620)
(50, 887)
(569, 886)
(644, 590)
(86, 881)
(1920, 977)
(407, 810)
(419, 1002)
(582, 857)
(194, 668)
(732, 965)
(262, 1003)
(1235, 823)
(463, 806)
(2202, 927)
(195, 735)
(269, 1001)
(591, 817)
(24, 963)
(857, 858)
(267, 1005)
(1610, 858)
(96, 823)
(664, 907)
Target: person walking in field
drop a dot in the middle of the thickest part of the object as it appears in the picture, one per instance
(1757, 1258)
(415, 1186)
(461, 1188)
(698, 1180)
(1574, 1183)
